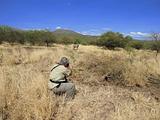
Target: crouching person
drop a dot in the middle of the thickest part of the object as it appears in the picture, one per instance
(58, 82)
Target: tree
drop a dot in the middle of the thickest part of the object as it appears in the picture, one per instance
(156, 42)
(66, 40)
(30, 37)
(112, 40)
(48, 37)
(11, 35)
(128, 38)
(7, 34)
(19, 36)
(1, 35)
(76, 41)
(136, 44)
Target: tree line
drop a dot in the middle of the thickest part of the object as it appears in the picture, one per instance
(110, 39)
(32, 37)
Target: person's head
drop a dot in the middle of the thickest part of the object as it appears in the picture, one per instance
(64, 61)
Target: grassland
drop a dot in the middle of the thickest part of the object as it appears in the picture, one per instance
(112, 85)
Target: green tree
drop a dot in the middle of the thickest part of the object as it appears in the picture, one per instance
(112, 40)
(1, 41)
(48, 38)
(11, 35)
(19, 36)
(136, 44)
(156, 42)
(66, 40)
(77, 41)
(7, 34)
(128, 38)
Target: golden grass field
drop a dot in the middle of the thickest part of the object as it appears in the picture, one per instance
(131, 91)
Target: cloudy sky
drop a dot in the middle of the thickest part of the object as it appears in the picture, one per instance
(94, 17)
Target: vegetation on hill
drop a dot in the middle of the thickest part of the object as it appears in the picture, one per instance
(33, 37)
(110, 39)
(43, 37)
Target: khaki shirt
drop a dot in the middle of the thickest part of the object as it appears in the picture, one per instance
(58, 74)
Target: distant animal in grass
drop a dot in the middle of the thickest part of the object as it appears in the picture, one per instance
(75, 46)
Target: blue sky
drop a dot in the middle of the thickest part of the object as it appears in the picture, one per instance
(133, 17)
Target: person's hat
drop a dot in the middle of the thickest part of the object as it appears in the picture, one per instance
(64, 61)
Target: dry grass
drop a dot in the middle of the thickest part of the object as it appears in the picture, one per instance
(24, 75)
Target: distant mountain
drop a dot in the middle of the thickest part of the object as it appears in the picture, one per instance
(60, 34)
(65, 32)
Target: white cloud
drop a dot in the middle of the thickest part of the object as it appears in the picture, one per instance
(138, 34)
(58, 27)
(95, 32)
(90, 32)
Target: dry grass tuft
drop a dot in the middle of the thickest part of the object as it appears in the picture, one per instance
(24, 75)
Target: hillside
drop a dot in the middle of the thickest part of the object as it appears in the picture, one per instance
(66, 32)
(72, 35)
(111, 85)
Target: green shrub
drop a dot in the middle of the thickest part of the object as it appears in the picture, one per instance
(112, 40)
(136, 44)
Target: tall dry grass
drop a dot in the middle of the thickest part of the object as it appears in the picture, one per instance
(24, 75)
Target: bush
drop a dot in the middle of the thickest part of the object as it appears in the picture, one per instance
(156, 42)
(136, 44)
(66, 40)
(155, 46)
(13, 35)
(112, 43)
(48, 38)
(112, 40)
(77, 41)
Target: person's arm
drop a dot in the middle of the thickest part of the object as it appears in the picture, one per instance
(67, 72)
